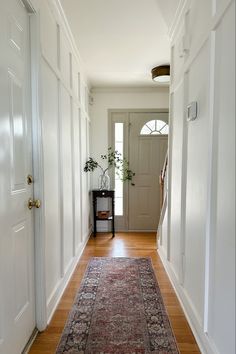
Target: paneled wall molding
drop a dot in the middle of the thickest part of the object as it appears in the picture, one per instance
(182, 8)
(205, 343)
(213, 23)
(66, 131)
(199, 254)
(59, 14)
(70, 91)
(185, 6)
(184, 181)
(60, 180)
(63, 27)
(73, 175)
(211, 188)
(169, 180)
(60, 287)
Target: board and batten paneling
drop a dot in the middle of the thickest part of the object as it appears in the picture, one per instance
(77, 178)
(177, 145)
(65, 146)
(51, 176)
(222, 257)
(197, 165)
(66, 179)
(201, 233)
(84, 176)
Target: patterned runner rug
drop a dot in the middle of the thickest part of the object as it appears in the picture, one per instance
(118, 310)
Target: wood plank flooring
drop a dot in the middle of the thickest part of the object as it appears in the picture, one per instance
(123, 245)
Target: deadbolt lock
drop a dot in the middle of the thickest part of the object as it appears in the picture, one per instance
(30, 179)
(34, 203)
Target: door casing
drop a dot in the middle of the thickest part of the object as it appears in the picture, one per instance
(37, 157)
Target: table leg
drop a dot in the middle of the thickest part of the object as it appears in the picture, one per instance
(113, 217)
(94, 217)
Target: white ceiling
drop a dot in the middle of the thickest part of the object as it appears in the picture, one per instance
(120, 41)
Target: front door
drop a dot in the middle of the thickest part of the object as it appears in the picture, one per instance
(148, 141)
(17, 291)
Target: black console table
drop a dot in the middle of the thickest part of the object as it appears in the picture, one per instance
(97, 193)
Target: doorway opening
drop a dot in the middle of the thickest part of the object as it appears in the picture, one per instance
(142, 137)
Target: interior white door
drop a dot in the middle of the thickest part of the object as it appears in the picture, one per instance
(17, 295)
(146, 154)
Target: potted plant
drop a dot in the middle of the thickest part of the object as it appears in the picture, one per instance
(113, 159)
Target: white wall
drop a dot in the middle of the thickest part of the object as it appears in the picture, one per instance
(126, 98)
(200, 251)
(65, 139)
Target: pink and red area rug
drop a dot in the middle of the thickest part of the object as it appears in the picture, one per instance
(118, 310)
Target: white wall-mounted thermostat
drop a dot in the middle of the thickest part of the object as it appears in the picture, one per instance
(192, 111)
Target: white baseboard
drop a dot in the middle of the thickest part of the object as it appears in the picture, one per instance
(205, 344)
(55, 298)
(30, 342)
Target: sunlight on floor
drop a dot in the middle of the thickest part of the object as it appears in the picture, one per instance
(118, 249)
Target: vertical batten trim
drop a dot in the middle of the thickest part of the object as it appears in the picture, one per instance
(169, 167)
(81, 176)
(169, 194)
(79, 87)
(81, 168)
(60, 184)
(211, 184)
(59, 11)
(184, 180)
(73, 173)
(58, 47)
(60, 162)
(88, 176)
(71, 71)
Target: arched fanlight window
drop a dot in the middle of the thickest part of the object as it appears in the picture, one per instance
(155, 127)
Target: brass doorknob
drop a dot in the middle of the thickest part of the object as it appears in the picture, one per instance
(34, 203)
(30, 180)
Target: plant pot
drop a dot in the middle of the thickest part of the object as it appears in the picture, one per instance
(104, 181)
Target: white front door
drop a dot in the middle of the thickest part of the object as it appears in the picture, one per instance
(17, 291)
(148, 143)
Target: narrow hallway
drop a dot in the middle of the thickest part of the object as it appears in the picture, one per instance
(123, 245)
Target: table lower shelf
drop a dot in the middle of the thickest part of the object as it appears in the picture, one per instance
(105, 219)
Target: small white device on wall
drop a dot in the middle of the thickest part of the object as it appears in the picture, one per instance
(192, 111)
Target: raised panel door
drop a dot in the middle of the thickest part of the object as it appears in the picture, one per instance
(17, 318)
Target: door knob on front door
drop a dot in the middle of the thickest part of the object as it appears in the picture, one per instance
(34, 203)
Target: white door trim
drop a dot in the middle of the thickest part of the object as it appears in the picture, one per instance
(37, 149)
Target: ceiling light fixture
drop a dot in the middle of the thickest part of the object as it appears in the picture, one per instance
(161, 74)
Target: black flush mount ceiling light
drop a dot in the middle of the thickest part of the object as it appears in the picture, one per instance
(161, 73)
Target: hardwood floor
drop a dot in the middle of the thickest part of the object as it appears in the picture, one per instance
(123, 245)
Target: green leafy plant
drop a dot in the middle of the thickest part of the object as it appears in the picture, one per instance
(113, 159)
